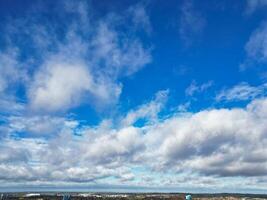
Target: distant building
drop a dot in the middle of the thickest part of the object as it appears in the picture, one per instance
(66, 197)
(3, 196)
(188, 197)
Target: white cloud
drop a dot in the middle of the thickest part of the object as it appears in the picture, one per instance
(194, 88)
(256, 47)
(204, 143)
(184, 107)
(9, 104)
(242, 92)
(140, 17)
(11, 71)
(38, 126)
(59, 86)
(147, 111)
(68, 159)
(191, 144)
(192, 22)
(253, 5)
(120, 55)
(12, 74)
(115, 146)
(80, 65)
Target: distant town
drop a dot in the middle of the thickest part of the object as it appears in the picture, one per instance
(127, 196)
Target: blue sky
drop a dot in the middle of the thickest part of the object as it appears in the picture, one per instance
(133, 95)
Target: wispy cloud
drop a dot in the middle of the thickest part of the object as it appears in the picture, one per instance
(140, 17)
(78, 64)
(194, 88)
(253, 5)
(256, 48)
(242, 92)
(191, 24)
(147, 111)
(257, 44)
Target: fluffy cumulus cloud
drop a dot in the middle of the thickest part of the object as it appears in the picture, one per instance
(186, 145)
(204, 144)
(95, 155)
(60, 85)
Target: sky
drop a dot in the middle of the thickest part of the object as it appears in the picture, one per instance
(133, 95)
